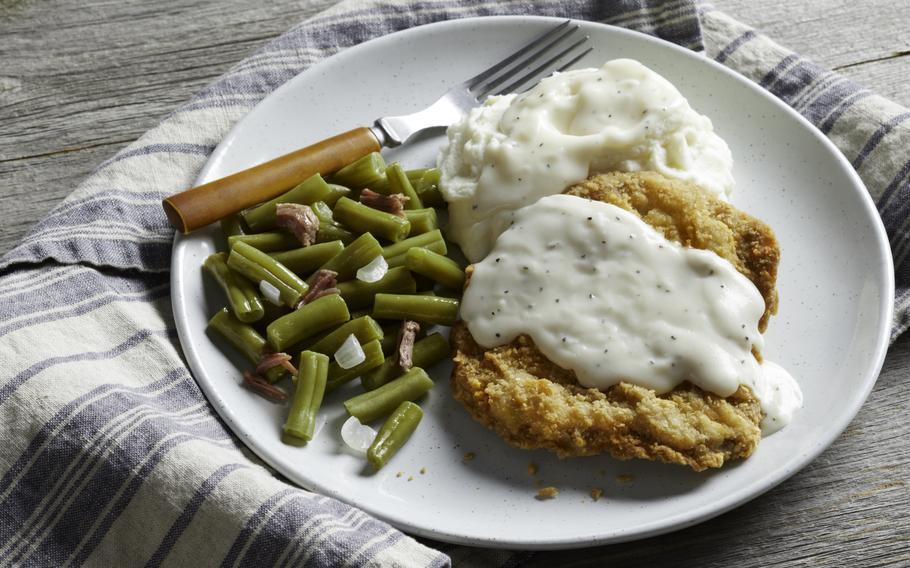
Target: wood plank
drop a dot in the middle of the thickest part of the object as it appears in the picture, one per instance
(80, 80)
(838, 34)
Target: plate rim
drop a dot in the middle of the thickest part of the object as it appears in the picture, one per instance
(666, 524)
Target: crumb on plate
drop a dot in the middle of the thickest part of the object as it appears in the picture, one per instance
(548, 492)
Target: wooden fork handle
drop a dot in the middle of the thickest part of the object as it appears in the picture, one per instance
(204, 204)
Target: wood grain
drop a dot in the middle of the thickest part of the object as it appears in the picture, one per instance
(80, 80)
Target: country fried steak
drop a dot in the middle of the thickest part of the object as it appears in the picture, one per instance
(532, 403)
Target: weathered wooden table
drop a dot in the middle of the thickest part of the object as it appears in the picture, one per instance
(80, 80)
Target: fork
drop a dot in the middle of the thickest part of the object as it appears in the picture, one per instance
(557, 49)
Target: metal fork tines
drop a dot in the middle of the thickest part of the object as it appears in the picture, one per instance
(557, 49)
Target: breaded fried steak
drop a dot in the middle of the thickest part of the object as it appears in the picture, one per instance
(532, 403)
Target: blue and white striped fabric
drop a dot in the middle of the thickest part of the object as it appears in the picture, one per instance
(112, 456)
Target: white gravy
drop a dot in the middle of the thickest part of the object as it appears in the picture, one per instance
(604, 294)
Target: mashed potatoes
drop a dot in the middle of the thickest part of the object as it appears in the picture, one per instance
(516, 149)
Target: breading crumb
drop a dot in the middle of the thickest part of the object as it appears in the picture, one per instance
(625, 478)
(410, 478)
(399, 474)
(548, 492)
(532, 468)
(423, 470)
(597, 493)
(468, 457)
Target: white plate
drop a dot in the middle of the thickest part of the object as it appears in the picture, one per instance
(836, 286)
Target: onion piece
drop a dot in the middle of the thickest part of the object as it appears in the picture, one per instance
(350, 354)
(373, 270)
(270, 292)
(358, 437)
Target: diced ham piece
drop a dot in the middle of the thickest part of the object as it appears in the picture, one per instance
(324, 283)
(275, 360)
(406, 337)
(263, 388)
(298, 219)
(393, 204)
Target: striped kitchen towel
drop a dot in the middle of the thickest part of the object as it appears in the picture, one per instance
(112, 456)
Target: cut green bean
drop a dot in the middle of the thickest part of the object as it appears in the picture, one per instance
(395, 253)
(422, 220)
(359, 294)
(242, 296)
(310, 388)
(272, 312)
(357, 254)
(428, 189)
(242, 336)
(305, 260)
(267, 242)
(374, 358)
(436, 266)
(362, 219)
(364, 172)
(365, 329)
(383, 401)
(394, 434)
(245, 339)
(338, 191)
(328, 228)
(416, 174)
(425, 309)
(232, 225)
(313, 189)
(399, 183)
(258, 266)
(307, 321)
(426, 353)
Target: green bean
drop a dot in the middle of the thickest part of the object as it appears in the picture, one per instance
(364, 172)
(245, 339)
(357, 254)
(258, 266)
(365, 329)
(272, 312)
(313, 189)
(361, 312)
(307, 321)
(440, 268)
(395, 253)
(394, 434)
(242, 336)
(241, 294)
(232, 225)
(362, 219)
(428, 189)
(328, 233)
(359, 294)
(374, 358)
(426, 353)
(308, 393)
(426, 293)
(399, 183)
(422, 220)
(381, 402)
(305, 260)
(427, 309)
(328, 228)
(417, 173)
(267, 242)
(338, 191)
